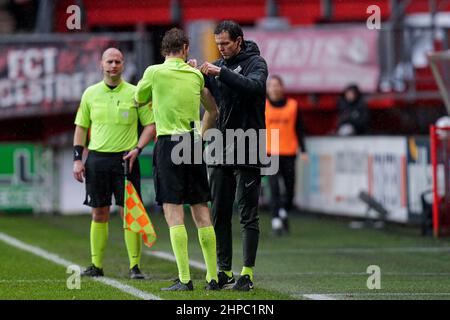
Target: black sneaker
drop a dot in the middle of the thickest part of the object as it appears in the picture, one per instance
(92, 271)
(224, 280)
(243, 284)
(135, 273)
(180, 286)
(212, 285)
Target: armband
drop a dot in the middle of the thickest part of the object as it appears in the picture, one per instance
(77, 152)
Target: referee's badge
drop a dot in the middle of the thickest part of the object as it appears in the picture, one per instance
(125, 114)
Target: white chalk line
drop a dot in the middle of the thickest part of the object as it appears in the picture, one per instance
(65, 263)
(201, 266)
(314, 296)
(338, 296)
(357, 250)
(347, 274)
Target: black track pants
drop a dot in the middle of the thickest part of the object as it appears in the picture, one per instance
(244, 185)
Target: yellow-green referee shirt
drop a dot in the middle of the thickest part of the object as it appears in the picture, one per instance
(112, 116)
(174, 88)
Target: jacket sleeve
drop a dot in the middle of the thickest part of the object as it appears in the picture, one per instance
(253, 83)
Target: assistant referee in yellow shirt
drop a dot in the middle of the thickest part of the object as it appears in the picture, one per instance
(108, 110)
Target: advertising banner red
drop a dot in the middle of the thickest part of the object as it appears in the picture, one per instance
(321, 60)
(40, 78)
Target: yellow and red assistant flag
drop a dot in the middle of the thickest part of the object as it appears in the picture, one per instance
(135, 216)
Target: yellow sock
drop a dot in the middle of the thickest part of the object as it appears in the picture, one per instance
(99, 237)
(179, 240)
(133, 242)
(207, 238)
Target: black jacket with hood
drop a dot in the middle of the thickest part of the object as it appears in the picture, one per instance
(240, 94)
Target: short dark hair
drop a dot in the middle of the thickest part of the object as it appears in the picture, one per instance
(353, 87)
(232, 27)
(173, 41)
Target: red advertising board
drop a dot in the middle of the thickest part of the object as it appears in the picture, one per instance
(321, 60)
(49, 77)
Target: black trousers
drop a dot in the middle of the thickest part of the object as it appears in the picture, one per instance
(287, 174)
(244, 184)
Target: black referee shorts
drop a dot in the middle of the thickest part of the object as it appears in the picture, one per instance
(178, 183)
(105, 177)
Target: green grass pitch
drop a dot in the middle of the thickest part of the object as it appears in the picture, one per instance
(321, 258)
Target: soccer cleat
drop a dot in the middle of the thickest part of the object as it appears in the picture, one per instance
(212, 285)
(135, 273)
(180, 286)
(92, 271)
(243, 284)
(224, 280)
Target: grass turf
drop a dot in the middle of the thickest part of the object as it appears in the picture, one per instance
(320, 256)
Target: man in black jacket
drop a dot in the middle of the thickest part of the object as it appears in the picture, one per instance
(238, 83)
(353, 112)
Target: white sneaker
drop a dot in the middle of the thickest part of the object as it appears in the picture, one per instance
(277, 224)
(282, 213)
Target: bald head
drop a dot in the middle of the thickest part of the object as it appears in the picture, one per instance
(112, 65)
(112, 52)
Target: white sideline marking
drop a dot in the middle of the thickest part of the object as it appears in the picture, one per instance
(65, 263)
(31, 281)
(170, 257)
(329, 296)
(318, 297)
(405, 274)
(394, 294)
(335, 296)
(357, 250)
(199, 265)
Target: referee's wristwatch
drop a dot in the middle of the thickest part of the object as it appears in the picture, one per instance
(138, 149)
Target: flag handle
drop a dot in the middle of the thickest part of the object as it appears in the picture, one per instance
(125, 172)
(125, 168)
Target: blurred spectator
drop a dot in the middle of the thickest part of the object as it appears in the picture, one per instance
(353, 112)
(283, 114)
(24, 13)
(6, 20)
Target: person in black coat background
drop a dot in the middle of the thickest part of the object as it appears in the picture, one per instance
(353, 112)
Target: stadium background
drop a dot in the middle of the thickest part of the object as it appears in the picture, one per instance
(318, 46)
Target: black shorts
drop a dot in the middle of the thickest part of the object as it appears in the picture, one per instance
(105, 177)
(185, 183)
